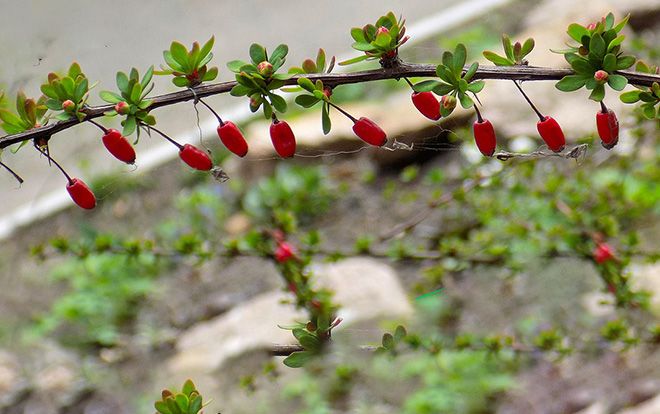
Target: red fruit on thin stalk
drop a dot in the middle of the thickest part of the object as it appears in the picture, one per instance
(608, 128)
(551, 133)
(284, 252)
(283, 139)
(119, 146)
(233, 139)
(603, 253)
(369, 132)
(484, 136)
(195, 157)
(427, 104)
(81, 194)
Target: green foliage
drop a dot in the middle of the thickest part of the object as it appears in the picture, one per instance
(379, 41)
(188, 401)
(133, 92)
(189, 68)
(514, 53)
(29, 114)
(649, 96)
(60, 89)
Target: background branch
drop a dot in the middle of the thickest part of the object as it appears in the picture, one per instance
(403, 70)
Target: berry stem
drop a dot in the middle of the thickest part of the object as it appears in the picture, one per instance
(54, 162)
(479, 118)
(541, 117)
(12, 172)
(603, 108)
(162, 134)
(212, 111)
(409, 83)
(104, 129)
(351, 117)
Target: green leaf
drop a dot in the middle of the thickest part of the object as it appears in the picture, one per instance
(80, 90)
(363, 47)
(598, 93)
(446, 75)
(320, 60)
(147, 77)
(257, 53)
(306, 101)
(206, 49)
(571, 83)
(576, 32)
(69, 86)
(74, 70)
(282, 76)
(425, 86)
(161, 407)
(182, 401)
(49, 91)
(616, 42)
(358, 35)
(210, 74)
(136, 92)
(236, 65)
(471, 71)
(9, 117)
(476, 87)
(240, 90)
(617, 82)
(462, 85)
(624, 62)
(383, 40)
(181, 82)
(310, 342)
(325, 119)
(122, 82)
(268, 110)
(497, 59)
(130, 124)
(508, 48)
(609, 21)
(306, 84)
(466, 101)
(621, 24)
(388, 341)
(167, 55)
(54, 105)
(609, 63)
(597, 45)
(460, 55)
(280, 52)
(195, 405)
(582, 66)
(399, 333)
(353, 60)
(298, 359)
(180, 55)
(630, 97)
(443, 89)
(648, 110)
(527, 47)
(188, 387)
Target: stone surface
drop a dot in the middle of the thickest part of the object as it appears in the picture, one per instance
(651, 406)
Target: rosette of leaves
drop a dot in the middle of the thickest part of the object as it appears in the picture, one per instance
(453, 81)
(259, 79)
(188, 401)
(133, 91)
(29, 114)
(598, 48)
(514, 53)
(390, 342)
(312, 337)
(189, 67)
(314, 66)
(72, 87)
(650, 96)
(380, 41)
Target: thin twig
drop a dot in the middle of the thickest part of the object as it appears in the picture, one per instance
(403, 70)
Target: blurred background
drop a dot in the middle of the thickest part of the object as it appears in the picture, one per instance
(101, 310)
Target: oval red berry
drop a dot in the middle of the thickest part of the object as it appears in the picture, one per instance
(119, 146)
(195, 158)
(551, 133)
(232, 138)
(81, 194)
(484, 136)
(608, 128)
(283, 139)
(370, 132)
(427, 104)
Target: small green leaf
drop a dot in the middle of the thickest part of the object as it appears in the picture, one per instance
(309, 66)
(210, 74)
(257, 53)
(616, 42)
(181, 81)
(621, 24)
(54, 105)
(147, 77)
(617, 82)
(195, 405)
(425, 86)
(598, 93)
(358, 35)
(69, 86)
(320, 60)
(268, 110)
(180, 55)
(239, 90)
(325, 119)
(399, 333)
(624, 62)
(236, 65)
(188, 387)
(74, 70)
(466, 101)
(136, 92)
(310, 342)
(648, 110)
(576, 32)
(80, 90)
(609, 21)
(609, 63)
(476, 87)
(306, 84)
(460, 55)
(388, 341)
(130, 124)
(497, 59)
(582, 66)
(306, 101)
(353, 60)
(280, 52)
(298, 359)
(630, 97)
(508, 48)
(182, 401)
(571, 83)
(446, 75)
(462, 85)
(443, 89)
(363, 47)
(597, 45)
(383, 40)
(206, 49)
(49, 91)
(161, 407)
(527, 47)
(122, 82)
(471, 71)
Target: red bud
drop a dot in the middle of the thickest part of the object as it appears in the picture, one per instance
(283, 139)
(284, 252)
(382, 29)
(551, 133)
(601, 76)
(369, 132)
(119, 146)
(195, 158)
(265, 68)
(68, 105)
(603, 253)
(608, 128)
(81, 194)
(233, 139)
(122, 108)
(427, 104)
(484, 136)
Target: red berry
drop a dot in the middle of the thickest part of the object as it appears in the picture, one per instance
(233, 139)
(427, 104)
(195, 158)
(119, 146)
(81, 194)
(283, 139)
(484, 136)
(608, 128)
(369, 132)
(284, 252)
(603, 253)
(551, 133)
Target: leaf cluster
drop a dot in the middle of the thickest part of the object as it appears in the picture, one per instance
(453, 81)
(73, 87)
(259, 78)
(649, 96)
(133, 92)
(188, 401)
(29, 114)
(189, 67)
(379, 41)
(514, 53)
(314, 66)
(598, 48)
(312, 337)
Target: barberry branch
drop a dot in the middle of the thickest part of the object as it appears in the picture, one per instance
(401, 70)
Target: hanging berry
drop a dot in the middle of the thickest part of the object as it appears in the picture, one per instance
(369, 132)
(195, 157)
(79, 192)
(484, 135)
(427, 104)
(551, 133)
(608, 127)
(232, 138)
(282, 137)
